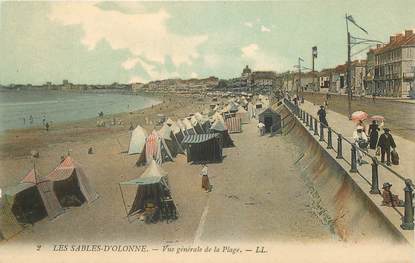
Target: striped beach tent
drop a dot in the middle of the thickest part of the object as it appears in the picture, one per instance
(155, 149)
(233, 124)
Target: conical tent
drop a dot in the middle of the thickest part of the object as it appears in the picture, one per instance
(219, 126)
(189, 128)
(50, 200)
(137, 141)
(177, 132)
(181, 126)
(197, 126)
(170, 122)
(169, 137)
(155, 149)
(152, 187)
(70, 184)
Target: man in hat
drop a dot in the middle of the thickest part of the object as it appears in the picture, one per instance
(385, 143)
(390, 199)
(322, 116)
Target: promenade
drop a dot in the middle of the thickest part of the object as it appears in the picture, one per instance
(406, 149)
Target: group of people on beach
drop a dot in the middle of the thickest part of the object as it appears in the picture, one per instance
(31, 121)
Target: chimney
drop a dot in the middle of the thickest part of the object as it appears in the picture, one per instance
(408, 33)
(391, 39)
(378, 45)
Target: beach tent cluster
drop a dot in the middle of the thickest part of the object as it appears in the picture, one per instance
(192, 135)
(36, 197)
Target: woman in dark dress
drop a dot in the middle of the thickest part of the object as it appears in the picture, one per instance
(373, 134)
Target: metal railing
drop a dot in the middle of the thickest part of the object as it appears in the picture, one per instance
(319, 130)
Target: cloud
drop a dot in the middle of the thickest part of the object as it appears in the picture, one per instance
(250, 50)
(129, 63)
(249, 24)
(155, 72)
(143, 34)
(259, 59)
(265, 29)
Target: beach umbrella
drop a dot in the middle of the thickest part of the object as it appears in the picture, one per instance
(377, 118)
(359, 116)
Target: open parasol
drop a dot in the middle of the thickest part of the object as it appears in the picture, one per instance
(359, 116)
(377, 118)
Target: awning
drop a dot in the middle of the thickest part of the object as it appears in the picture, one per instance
(199, 138)
(143, 180)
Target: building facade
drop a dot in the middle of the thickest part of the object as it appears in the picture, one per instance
(393, 65)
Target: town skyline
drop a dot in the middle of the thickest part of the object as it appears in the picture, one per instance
(58, 41)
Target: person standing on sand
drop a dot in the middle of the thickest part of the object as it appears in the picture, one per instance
(31, 119)
(205, 179)
(47, 126)
(24, 121)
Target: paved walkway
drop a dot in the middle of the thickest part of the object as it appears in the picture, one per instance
(406, 168)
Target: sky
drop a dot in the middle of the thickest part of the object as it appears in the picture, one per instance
(126, 42)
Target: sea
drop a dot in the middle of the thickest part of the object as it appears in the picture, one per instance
(25, 109)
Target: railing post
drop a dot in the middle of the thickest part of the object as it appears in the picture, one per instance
(306, 119)
(353, 166)
(329, 139)
(408, 218)
(339, 147)
(321, 132)
(315, 127)
(311, 123)
(375, 177)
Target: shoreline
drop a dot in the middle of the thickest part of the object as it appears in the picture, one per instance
(17, 143)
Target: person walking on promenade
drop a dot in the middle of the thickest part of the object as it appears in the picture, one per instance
(31, 119)
(322, 115)
(360, 140)
(373, 98)
(361, 124)
(205, 179)
(373, 134)
(386, 142)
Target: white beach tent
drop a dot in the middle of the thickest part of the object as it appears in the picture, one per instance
(137, 140)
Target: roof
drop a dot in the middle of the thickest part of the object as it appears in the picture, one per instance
(199, 138)
(152, 175)
(398, 41)
(63, 170)
(31, 177)
(268, 110)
